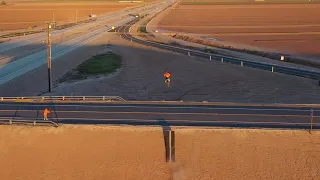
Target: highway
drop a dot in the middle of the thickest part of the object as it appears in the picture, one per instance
(22, 41)
(225, 59)
(168, 114)
(25, 64)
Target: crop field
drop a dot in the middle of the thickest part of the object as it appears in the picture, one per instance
(291, 28)
(126, 152)
(23, 15)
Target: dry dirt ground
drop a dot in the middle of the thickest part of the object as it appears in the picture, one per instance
(290, 28)
(125, 152)
(19, 15)
(141, 78)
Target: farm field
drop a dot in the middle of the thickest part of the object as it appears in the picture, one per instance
(101, 152)
(22, 15)
(290, 28)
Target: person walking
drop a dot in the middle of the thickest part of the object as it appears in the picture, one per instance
(167, 78)
(45, 114)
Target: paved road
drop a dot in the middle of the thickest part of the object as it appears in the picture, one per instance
(191, 52)
(22, 41)
(165, 114)
(21, 66)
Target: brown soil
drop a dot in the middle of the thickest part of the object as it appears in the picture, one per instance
(287, 28)
(101, 152)
(22, 15)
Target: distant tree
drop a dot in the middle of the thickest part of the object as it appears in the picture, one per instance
(3, 3)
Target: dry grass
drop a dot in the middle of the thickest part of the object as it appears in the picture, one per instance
(101, 152)
(286, 28)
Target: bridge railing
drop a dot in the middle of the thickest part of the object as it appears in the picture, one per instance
(62, 98)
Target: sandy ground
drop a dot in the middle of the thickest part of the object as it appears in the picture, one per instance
(287, 28)
(23, 15)
(141, 78)
(102, 152)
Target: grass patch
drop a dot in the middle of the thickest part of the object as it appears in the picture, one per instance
(142, 29)
(102, 64)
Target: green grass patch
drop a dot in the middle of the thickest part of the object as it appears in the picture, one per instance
(102, 64)
(142, 29)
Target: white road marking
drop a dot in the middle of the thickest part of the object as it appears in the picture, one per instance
(162, 107)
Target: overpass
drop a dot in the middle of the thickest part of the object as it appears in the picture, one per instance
(115, 110)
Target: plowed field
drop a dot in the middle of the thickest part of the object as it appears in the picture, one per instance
(292, 28)
(23, 15)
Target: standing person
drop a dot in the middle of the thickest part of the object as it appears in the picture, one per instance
(45, 114)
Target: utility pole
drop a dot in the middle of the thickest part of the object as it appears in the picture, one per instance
(49, 56)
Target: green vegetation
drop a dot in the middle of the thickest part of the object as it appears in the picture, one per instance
(250, 2)
(102, 64)
(142, 29)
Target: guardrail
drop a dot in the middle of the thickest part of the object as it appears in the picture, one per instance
(225, 59)
(62, 98)
(28, 122)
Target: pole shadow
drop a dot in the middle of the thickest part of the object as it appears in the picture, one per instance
(168, 141)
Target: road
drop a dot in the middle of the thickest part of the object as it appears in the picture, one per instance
(226, 59)
(22, 41)
(25, 64)
(168, 114)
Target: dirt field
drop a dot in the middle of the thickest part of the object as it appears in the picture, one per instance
(21, 15)
(102, 152)
(286, 28)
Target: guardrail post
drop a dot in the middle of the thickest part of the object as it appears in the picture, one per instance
(34, 123)
(42, 98)
(62, 98)
(103, 98)
(311, 120)
(210, 58)
(272, 69)
(222, 60)
(188, 53)
(83, 98)
(10, 121)
(241, 63)
(1, 98)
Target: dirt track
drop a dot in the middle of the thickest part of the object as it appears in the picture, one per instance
(24, 15)
(101, 152)
(285, 28)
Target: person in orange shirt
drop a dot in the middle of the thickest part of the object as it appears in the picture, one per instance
(45, 114)
(167, 78)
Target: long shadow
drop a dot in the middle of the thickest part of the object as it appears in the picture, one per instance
(166, 137)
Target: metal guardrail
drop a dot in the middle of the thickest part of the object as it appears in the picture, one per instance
(225, 59)
(62, 98)
(28, 122)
